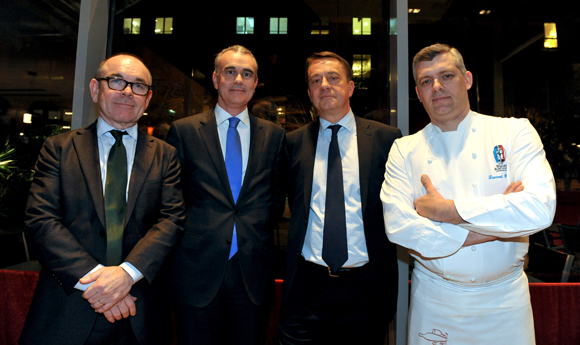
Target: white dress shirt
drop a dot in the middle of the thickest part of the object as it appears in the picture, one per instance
(348, 146)
(223, 124)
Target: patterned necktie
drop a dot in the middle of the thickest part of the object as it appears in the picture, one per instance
(334, 249)
(234, 169)
(115, 201)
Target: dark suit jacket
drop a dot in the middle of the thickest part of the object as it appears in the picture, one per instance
(374, 142)
(200, 260)
(65, 224)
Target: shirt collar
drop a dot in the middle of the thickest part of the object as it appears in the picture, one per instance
(103, 127)
(347, 122)
(465, 123)
(222, 116)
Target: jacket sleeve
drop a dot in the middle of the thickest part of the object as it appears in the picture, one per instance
(516, 214)
(403, 224)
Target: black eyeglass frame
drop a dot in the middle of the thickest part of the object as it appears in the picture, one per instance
(108, 79)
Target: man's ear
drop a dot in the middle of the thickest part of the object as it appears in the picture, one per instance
(468, 79)
(94, 88)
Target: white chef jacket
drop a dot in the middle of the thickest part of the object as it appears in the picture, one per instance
(472, 166)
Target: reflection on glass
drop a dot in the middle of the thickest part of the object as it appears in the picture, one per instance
(245, 25)
(361, 26)
(278, 26)
(132, 26)
(164, 25)
(550, 36)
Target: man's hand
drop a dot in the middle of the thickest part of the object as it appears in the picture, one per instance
(514, 187)
(112, 284)
(433, 206)
(122, 310)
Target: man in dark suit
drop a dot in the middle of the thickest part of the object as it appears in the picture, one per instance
(221, 274)
(96, 201)
(340, 285)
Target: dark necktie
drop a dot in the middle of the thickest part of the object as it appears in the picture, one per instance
(334, 249)
(234, 168)
(115, 201)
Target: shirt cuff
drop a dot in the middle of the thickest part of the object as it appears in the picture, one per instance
(133, 272)
(83, 287)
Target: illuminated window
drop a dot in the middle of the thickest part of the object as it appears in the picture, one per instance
(320, 27)
(278, 26)
(245, 25)
(361, 26)
(132, 26)
(550, 36)
(164, 26)
(361, 70)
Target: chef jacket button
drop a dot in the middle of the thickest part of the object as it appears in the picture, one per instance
(473, 279)
(448, 276)
(474, 184)
(473, 129)
(474, 155)
(473, 248)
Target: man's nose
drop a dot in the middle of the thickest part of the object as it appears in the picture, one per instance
(437, 86)
(324, 83)
(239, 79)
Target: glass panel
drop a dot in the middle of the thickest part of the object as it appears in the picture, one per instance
(241, 25)
(273, 26)
(168, 26)
(356, 26)
(283, 26)
(249, 25)
(159, 25)
(38, 43)
(127, 26)
(366, 26)
(136, 26)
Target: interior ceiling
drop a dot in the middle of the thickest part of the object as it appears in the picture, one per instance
(430, 10)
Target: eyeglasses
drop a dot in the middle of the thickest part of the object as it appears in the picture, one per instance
(119, 84)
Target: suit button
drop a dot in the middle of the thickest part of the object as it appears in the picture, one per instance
(236, 211)
(102, 233)
(229, 242)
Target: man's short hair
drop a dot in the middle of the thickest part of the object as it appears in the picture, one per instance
(99, 73)
(236, 48)
(431, 52)
(327, 55)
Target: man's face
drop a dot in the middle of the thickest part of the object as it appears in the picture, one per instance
(329, 89)
(442, 89)
(235, 81)
(121, 109)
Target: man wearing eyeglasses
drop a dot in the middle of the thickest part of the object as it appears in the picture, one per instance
(221, 273)
(104, 211)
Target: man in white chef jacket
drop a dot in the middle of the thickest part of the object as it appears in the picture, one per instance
(463, 195)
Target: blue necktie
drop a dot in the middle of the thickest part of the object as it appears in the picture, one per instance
(334, 247)
(234, 168)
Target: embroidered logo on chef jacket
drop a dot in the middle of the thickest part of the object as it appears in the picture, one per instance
(500, 158)
(436, 337)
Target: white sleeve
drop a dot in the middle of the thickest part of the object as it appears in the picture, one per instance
(516, 214)
(403, 224)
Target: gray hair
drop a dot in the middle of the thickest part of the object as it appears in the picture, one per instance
(431, 52)
(236, 48)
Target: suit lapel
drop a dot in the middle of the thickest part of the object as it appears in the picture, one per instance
(144, 154)
(257, 138)
(310, 141)
(365, 158)
(209, 134)
(87, 148)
